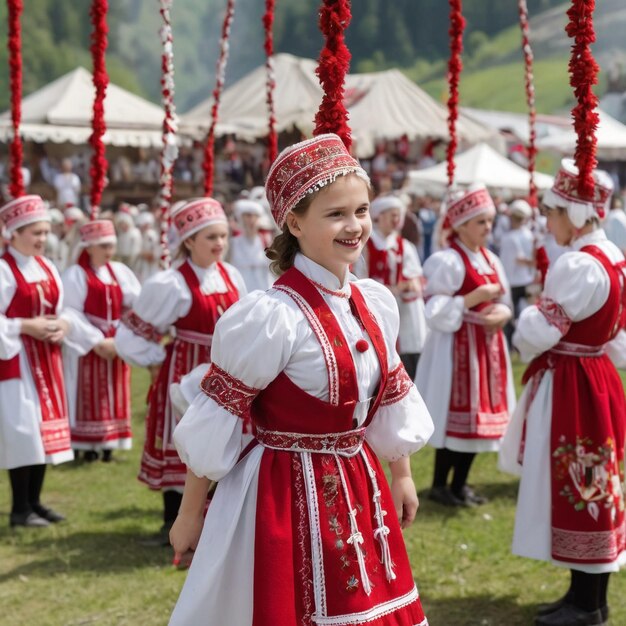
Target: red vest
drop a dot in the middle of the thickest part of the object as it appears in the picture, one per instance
(378, 263)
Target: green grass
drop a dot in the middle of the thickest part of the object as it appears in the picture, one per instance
(94, 570)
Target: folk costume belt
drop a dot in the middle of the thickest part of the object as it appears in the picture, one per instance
(190, 336)
(345, 444)
(578, 349)
(106, 326)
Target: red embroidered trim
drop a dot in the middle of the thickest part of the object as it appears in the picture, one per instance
(135, 324)
(349, 442)
(398, 386)
(230, 393)
(555, 314)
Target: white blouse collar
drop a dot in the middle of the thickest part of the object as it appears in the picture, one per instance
(21, 259)
(201, 271)
(595, 236)
(384, 243)
(320, 275)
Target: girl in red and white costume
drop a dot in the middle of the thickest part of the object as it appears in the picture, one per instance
(567, 436)
(34, 426)
(184, 302)
(98, 384)
(394, 262)
(303, 528)
(464, 373)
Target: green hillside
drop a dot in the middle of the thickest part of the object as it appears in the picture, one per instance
(407, 34)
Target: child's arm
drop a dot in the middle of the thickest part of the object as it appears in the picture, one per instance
(185, 532)
(403, 491)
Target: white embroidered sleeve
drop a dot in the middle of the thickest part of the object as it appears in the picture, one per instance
(444, 272)
(10, 342)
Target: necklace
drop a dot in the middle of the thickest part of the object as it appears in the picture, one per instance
(338, 294)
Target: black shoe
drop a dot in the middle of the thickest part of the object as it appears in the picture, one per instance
(107, 456)
(550, 607)
(470, 497)
(29, 520)
(48, 514)
(443, 495)
(90, 456)
(570, 615)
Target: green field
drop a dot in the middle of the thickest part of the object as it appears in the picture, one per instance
(94, 569)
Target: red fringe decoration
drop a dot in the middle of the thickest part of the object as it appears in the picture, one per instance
(14, 45)
(99, 41)
(209, 149)
(583, 71)
(455, 65)
(268, 23)
(333, 65)
(530, 101)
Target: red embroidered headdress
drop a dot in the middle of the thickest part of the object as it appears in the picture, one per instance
(465, 205)
(97, 232)
(194, 215)
(306, 167)
(23, 211)
(565, 193)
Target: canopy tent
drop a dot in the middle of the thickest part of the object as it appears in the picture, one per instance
(381, 105)
(478, 164)
(61, 112)
(611, 137)
(243, 108)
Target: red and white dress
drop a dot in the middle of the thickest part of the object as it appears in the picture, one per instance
(34, 424)
(567, 435)
(464, 373)
(302, 528)
(98, 390)
(389, 260)
(185, 302)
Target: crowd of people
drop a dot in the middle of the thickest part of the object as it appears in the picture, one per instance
(304, 332)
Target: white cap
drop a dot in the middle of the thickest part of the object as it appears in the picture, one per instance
(385, 203)
(521, 208)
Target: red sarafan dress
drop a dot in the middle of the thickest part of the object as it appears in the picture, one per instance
(99, 389)
(185, 302)
(33, 408)
(302, 528)
(567, 436)
(464, 373)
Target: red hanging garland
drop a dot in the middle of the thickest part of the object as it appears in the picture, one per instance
(334, 63)
(169, 150)
(209, 149)
(14, 45)
(99, 41)
(530, 101)
(455, 66)
(268, 23)
(583, 71)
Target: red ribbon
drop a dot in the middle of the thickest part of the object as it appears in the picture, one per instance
(455, 65)
(583, 71)
(99, 41)
(268, 23)
(333, 65)
(15, 71)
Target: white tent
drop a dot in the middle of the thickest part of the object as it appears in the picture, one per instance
(381, 105)
(61, 112)
(611, 137)
(478, 164)
(243, 107)
(387, 105)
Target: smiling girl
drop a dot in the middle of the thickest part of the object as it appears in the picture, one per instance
(464, 373)
(98, 384)
(34, 427)
(303, 527)
(184, 302)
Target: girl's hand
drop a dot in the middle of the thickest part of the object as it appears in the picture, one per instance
(495, 317)
(62, 328)
(405, 499)
(106, 349)
(185, 534)
(40, 328)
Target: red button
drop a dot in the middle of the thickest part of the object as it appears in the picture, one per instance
(362, 345)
